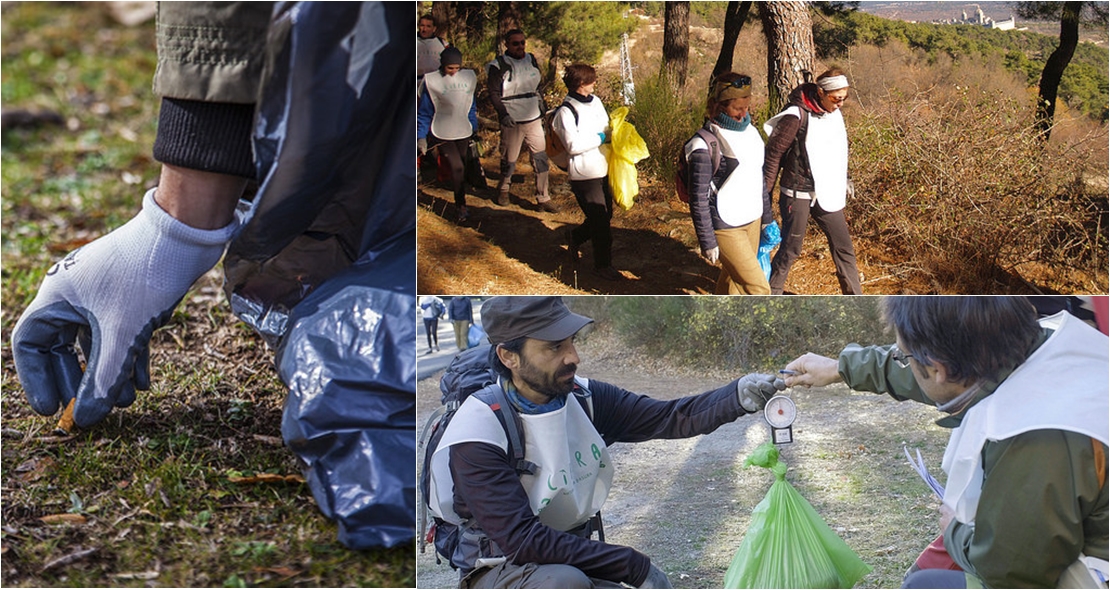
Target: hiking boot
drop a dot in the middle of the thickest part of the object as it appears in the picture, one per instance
(503, 198)
(549, 206)
(464, 214)
(608, 273)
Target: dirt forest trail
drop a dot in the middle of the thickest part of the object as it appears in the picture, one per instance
(519, 248)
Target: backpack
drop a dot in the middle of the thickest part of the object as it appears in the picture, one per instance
(471, 374)
(682, 169)
(556, 150)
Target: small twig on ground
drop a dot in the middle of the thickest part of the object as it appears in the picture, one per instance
(68, 559)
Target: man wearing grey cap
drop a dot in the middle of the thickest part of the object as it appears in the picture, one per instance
(532, 527)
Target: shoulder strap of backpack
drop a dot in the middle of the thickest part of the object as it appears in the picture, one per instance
(801, 159)
(494, 396)
(711, 140)
(506, 69)
(573, 111)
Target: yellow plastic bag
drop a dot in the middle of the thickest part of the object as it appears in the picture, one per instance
(627, 149)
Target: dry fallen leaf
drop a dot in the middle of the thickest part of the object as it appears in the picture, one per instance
(266, 478)
(66, 518)
(66, 425)
(281, 570)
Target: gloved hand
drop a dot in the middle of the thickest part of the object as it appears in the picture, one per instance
(712, 254)
(422, 145)
(507, 122)
(109, 296)
(656, 579)
(601, 134)
(755, 389)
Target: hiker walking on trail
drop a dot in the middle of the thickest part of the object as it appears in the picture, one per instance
(1025, 501)
(431, 309)
(429, 46)
(582, 125)
(725, 183)
(809, 143)
(448, 119)
(525, 515)
(514, 81)
(461, 313)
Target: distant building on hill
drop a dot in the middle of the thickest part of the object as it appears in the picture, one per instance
(980, 19)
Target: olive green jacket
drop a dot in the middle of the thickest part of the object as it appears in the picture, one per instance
(1041, 503)
(211, 51)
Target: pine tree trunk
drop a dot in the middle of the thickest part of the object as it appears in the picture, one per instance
(676, 42)
(471, 15)
(789, 33)
(1054, 67)
(441, 12)
(734, 22)
(508, 18)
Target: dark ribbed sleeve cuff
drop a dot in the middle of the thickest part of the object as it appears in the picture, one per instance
(209, 136)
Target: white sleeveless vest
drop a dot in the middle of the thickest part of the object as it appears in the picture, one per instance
(827, 147)
(740, 197)
(427, 55)
(1063, 385)
(574, 471)
(452, 97)
(523, 78)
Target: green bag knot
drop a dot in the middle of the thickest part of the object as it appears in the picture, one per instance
(767, 455)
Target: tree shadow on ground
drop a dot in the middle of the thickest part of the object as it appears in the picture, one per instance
(652, 264)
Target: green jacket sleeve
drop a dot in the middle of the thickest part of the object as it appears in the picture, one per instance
(871, 368)
(1040, 493)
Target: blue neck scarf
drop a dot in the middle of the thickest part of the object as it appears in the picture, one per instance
(727, 122)
(528, 407)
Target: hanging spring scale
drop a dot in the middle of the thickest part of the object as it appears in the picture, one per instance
(780, 413)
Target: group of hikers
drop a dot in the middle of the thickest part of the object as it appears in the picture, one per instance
(729, 171)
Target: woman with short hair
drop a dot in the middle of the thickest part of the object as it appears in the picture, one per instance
(582, 124)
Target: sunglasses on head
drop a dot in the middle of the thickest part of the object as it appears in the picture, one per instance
(741, 82)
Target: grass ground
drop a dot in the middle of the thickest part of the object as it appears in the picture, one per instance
(191, 485)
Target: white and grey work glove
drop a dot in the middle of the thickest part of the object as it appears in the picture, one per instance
(656, 579)
(507, 122)
(109, 296)
(712, 254)
(422, 145)
(755, 389)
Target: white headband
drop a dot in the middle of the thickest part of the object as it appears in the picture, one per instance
(833, 83)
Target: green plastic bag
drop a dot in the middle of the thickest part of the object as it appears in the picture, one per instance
(788, 545)
(627, 149)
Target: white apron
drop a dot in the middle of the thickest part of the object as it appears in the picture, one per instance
(523, 79)
(827, 148)
(740, 197)
(452, 97)
(573, 469)
(1068, 372)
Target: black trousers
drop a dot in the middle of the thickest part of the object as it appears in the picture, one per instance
(795, 217)
(455, 152)
(596, 200)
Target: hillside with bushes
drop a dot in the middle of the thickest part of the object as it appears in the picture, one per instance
(955, 191)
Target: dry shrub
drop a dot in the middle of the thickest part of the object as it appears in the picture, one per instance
(952, 177)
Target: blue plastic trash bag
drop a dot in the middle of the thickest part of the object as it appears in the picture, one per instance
(475, 336)
(768, 239)
(324, 266)
(349, 360)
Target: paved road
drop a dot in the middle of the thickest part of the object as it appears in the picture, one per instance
(430, 364)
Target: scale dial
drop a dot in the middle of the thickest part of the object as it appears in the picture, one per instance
(780, 411)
